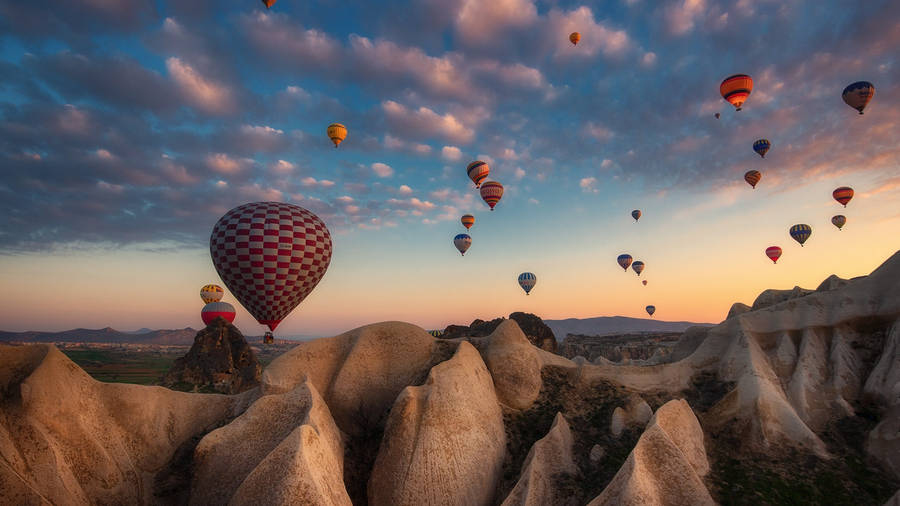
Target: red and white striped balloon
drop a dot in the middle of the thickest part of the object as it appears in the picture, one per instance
(270, 255)
(215, 309)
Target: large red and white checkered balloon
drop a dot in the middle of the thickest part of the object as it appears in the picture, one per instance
(270, 255)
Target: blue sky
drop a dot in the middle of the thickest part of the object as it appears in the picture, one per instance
(128, 127)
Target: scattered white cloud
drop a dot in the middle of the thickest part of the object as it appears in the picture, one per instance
(202, 93)
(282, 167)
(587, 184)
(404, 190)
(224, 164)
(382, 169)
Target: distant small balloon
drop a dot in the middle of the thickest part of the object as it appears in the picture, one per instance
(761, 147)
(774, 253)
(211, 293)
(336, 132)
(736, 89)
(624, 261)
(843, 194)
(216, 309)
(636, 214)
(638, 267)
(462, 243)
(574, 37)
(858, 95)
(491, 193)
(467, 220)
(651, 310)
(839, 221)
(527, 281)
(644, 282)
(752, 177)
(801, 233)
(717, 115)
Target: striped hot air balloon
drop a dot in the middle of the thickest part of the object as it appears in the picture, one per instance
(624, 261)
(735, 89)
(462, 243)
(761, 147)
(211, 293)
(636, 214)
(801, 233)
(651, 310)
(478, 171)
(638, 267)
(336, 132)
(215, 309)
(752, 177)
(491, 192)
(527, 281)
(774, 253)
(839, 221)
(467, 220)
(843, 194)
(858, 94)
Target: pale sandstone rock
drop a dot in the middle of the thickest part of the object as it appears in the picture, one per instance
(549, 456)
(514, 366)
(884, 442)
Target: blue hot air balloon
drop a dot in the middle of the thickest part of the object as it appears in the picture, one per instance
(651, 310)
(624, 260)
(801, 233)
(462, 242)
(527, 281)
(762, 147)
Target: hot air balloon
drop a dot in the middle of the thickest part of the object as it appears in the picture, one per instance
(436, 333)
(752, 177)
(268, 3)
(574, 37)
(215, 309)
(761, 147)
(651, 310)
(624, 260)
(467, 220)
(716, 115)
(636, 214)
(839, 221)
(527, 281)
(801, 233)
(462, 242)
(858, 94)
(211, 293)
(270, 255)
(843, 194)
(268, 338)
(478, 171)
(337, 133)
(638, 267)
(644, 282)
(774, 253)
(735, 89)
(491, 192)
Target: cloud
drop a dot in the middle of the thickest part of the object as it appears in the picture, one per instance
(681, 15)
(204, 94)
(404, 190)
(283, 167)
(481, 22)
(649, 59)
(596, 38)
(598, 131)
(587, 184)
(382, 169)
(395, 143)
(312, 182)
(345, 199)
(221, 163)
(451, 153)
(426, 123)
(104, 154)
(256, 192)
(519, 173)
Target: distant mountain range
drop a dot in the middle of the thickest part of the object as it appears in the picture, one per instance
(105, 335)
(610, 325)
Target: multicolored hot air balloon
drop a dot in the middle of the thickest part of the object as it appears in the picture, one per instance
(858, 94)
(467, 220)
(636, 214)
(527, 281)
(215, 309)
(774, 253)
(752, 177)
(843, 194)
(436, 333)
(644, 282)
(462, 243)
(478, 171)
(801, 233)
(761, 147)
(269, 3)
(650, 310)
(574, 37)
(270, 255)
(839, 221)
(735, 89)
(624, 261)
(337, 133)
(491, 192)
(211, 293)
(638, 267)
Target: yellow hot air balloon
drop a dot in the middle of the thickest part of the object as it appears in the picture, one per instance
(735, 89)
(337, 133)
(574, 37)
(211, 293)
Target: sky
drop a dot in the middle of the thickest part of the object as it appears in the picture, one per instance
(128, 127)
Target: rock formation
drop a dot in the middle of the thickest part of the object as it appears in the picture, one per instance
(532, 326)
(635, 412)
(639, 349)
(549, 457)
(514, 366)
(219, 360)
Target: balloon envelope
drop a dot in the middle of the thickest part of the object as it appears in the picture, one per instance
(638, 267)
(574, 37)
(645, 282)
(467, 220)
(337, 133)
(491, 192)
(858, 94)
(735, 89)
(774, 253)
(462, 242)
(636, 214)
(839, 221)
(752, 177)
(624, 261)
(215, 309)
(843, 194)
(478, 171)
(761, 147)
(211, 293)
(527, 281)
(801, 233)
(651, 310)
(269, 3)
(270, 255)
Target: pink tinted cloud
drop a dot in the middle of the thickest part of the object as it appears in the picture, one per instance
(425, 122)
(202, 93)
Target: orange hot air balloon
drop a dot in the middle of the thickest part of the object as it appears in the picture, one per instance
(491, 192)
(337, 133)
(269, 3)
(843, 194)
(574, 37)
(752, 177)
(858, 94)
(735, 89)
(774, 253)
(467, 220)
(478, 171)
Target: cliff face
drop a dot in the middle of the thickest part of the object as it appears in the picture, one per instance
(220, 360)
